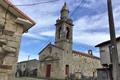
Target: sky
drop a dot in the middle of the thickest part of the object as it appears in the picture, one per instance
(90, 24)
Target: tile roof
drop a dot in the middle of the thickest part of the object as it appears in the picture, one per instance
(106, 42)
(28, 61)
(74, 52)
(17, 12)
(85, 54)
(49, 45)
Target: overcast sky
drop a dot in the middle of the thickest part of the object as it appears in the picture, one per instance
(90, 24)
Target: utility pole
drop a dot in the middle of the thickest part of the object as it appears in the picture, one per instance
(115, 60)
(28, 57)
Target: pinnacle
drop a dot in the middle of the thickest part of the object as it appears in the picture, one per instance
(65, 7)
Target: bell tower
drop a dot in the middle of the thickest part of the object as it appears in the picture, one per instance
(64, 29)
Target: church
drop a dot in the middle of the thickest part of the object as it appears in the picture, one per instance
(59, 60)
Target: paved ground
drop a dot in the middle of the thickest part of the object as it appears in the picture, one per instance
(24, 78)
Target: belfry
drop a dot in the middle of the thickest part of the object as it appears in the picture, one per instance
(64, 30)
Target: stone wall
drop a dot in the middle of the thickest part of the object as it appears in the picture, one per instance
(27, 68)
(5, 72)
(10, 35)
(79, 65)
(85, 66)
(51, 55)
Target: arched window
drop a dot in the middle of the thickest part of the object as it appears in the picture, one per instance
(59, 32)
(68, 33)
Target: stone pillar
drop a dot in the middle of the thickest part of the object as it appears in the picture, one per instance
(5, 72)
(9, 53)
(10, 37)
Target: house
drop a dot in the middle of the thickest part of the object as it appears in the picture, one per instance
(106, 58)
(60, 61)
(27, 68)
(13, 23)
(105, 51)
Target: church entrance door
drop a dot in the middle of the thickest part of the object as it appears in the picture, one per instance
(48, 70)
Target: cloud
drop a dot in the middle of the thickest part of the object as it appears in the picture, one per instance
(33, 36)
(86, 25)
(90, 24)
(92, 30)
(23, 56)
(46, 20)
(90, 38)
(48, 33)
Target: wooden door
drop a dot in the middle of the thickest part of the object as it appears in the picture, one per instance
(48, 70)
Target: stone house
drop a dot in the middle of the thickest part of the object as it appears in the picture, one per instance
(59, 61)
(106, 57)
(13, 23)
(27, 68)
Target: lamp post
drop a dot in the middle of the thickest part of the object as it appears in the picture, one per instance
(115, 60)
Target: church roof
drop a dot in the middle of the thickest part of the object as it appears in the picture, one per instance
(85, 54)
(48, 46)
(74, 52)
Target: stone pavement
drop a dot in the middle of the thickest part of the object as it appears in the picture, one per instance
(25, 78)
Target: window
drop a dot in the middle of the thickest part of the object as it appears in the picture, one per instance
(110, 52)
(59, 32)
(68, 32)
(24, 66)
(67, 69)
(50, 49)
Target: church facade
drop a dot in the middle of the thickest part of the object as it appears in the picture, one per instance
(59, 61)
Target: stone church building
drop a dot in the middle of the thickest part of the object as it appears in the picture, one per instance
(60, 61)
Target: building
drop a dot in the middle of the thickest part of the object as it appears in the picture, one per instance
(85, 64)
(27, 68)
(59, 61)
(13, 23)
(105, 55)
(105, 51)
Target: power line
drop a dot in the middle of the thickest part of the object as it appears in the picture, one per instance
(10, 5)
(76, 8)
(51, 1)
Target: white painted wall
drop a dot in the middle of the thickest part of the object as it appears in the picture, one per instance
(105, 53)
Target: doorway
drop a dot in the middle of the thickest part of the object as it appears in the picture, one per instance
(48, 70)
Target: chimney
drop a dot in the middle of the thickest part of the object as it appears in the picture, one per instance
(90, 52)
